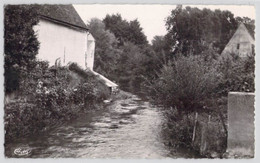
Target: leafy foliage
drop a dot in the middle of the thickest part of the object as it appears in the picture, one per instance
(199, 84)
(202, 84)
(184, 83)
(125, 31)
(183, 70)
(20, 43)
(191, 30)
(122, 53)
(50, 99)
(237, 75)
(106, 55)
(177, 129)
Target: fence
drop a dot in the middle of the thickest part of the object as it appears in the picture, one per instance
(209, 133)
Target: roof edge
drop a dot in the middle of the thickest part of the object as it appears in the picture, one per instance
(243, 24)
(62, 22)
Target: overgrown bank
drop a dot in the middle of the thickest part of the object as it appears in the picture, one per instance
(50, 96)
(193, 92)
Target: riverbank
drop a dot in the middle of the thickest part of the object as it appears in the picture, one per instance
(202, 133)
(49, 97)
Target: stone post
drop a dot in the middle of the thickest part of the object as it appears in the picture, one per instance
(241, 124)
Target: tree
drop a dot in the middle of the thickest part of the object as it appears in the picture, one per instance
(106, 55)
(125, 31)
(117, 26)
(135, 33)
(162, 49)
(192, 30)
(122, 62)
(129, 62)
(228, 26)
(136, 58)
(20, 43)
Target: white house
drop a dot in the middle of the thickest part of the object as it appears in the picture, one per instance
(64, 36)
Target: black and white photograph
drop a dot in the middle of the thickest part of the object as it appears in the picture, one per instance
(129, 81)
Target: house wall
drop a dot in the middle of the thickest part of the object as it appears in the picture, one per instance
(245, 49)
(90, 52)
(57, 41)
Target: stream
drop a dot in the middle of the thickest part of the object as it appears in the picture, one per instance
(127, 128)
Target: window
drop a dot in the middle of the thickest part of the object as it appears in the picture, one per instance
(238, 45)
(253, 48)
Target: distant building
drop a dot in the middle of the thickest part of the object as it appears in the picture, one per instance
(241, 43)
(64, 36)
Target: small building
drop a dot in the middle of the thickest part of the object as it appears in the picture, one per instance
(64, 36)
(241, 43)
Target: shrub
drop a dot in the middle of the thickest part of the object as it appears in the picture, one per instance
(83, 73)
(184, 84)
(200, 84)
(177, 129)
(100, 89)
(237, 75)
(49, 100)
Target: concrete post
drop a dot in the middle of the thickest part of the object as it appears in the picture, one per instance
(241, 124)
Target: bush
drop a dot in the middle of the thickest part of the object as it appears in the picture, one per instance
(100, 89)
(183, 87)
(199, 84)
(49, 100)
(184, 84)
(237, 75)
(177, 129)
(83, 73)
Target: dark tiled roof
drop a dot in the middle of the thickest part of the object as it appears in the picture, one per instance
(64, 13)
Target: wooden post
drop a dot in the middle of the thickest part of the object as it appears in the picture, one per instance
(64, 56)
(194, 129)
(222, 121)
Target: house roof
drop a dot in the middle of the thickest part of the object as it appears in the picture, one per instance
(106, 81)
(241, 35)
(65, 14)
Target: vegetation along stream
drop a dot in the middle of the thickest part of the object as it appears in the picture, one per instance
(127, 128)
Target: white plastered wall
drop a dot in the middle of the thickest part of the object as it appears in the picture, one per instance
(58, 41)
(90, 52)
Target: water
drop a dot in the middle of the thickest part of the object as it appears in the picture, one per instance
(128, 128)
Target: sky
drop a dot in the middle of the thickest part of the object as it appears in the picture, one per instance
(152, 17)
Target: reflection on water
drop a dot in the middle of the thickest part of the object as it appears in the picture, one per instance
(125, 129)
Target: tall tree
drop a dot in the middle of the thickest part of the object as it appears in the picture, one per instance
(125, 31)
(191, 30)
(117, 26)
(106, 55)
(135, 33)
(161, 47)
(20, 42)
